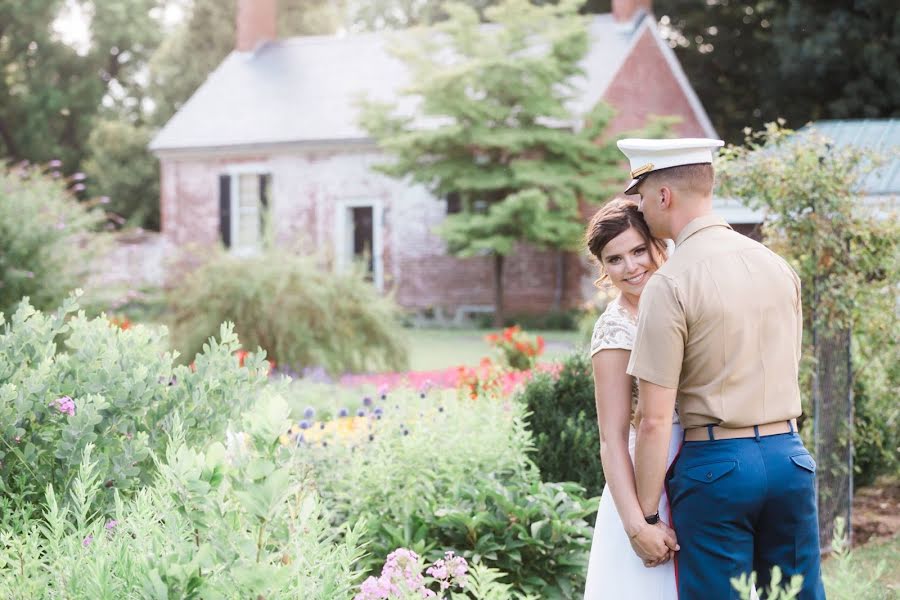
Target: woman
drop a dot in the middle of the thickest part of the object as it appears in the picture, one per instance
(628, 255)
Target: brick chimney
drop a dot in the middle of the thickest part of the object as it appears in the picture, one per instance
(256, 23)
(624, 11)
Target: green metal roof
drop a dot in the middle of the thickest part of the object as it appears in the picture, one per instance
(879, 135)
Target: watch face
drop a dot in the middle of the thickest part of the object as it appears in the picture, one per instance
(652, 519)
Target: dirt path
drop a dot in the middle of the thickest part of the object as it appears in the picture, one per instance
(876, 511)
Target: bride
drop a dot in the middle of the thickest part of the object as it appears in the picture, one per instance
(628, 255)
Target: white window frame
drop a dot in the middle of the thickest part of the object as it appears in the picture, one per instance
(342, 232)
(235, 172)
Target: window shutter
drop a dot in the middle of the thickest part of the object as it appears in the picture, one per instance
(264, 186)
(225, 209)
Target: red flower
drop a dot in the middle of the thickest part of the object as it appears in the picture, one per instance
(241, 356)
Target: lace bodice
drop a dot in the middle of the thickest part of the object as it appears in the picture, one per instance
(615, 329)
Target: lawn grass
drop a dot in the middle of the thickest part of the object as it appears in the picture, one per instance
(862, 567)
(433, 349)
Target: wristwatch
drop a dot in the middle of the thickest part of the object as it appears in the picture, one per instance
(652, 519)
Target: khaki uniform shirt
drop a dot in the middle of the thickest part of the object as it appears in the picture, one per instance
(721, 322)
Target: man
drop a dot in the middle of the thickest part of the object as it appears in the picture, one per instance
(719, 336)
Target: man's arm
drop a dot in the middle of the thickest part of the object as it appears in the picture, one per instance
(651, 453)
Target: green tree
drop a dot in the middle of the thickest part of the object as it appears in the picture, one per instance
(120, 168)
(492, 124)
(848, 258)
(50, 91)
(754, 61)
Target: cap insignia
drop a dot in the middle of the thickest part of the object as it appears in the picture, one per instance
(642, 170)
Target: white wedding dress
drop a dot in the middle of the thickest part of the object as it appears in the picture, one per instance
(615, 572)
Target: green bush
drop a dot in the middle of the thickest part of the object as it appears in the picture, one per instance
(233, 521)
(562, 415)
(441, 472)
(68, 381)
(46, 239)
(302, 315)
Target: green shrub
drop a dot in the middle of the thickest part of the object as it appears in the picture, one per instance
(300, 314)
(46, 239)
(562, 415)
(69, 381)
(232, 521)
(441, 473)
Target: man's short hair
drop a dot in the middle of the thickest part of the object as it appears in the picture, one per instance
(695, 179)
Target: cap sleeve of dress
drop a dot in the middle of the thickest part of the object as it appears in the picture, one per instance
(613, 330)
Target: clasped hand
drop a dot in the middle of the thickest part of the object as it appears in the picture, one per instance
(655, 544)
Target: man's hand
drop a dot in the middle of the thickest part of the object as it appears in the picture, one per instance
(654, 544)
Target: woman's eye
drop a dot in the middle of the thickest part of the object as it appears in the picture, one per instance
(640, 250)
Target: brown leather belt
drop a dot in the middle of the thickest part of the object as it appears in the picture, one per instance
(703, 434)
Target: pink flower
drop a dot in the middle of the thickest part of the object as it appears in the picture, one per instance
(87, 541)
(64, 405)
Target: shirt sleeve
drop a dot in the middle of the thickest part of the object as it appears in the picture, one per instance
(661, 335)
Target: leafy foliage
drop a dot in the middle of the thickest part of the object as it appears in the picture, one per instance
(301, 314)
(51, 91)
(227, 522)
(752, 62)
(441, 472)
(46, 238)
(116, 167)
(562, 415)
(67, 382)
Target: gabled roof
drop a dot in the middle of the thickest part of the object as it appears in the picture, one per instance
(303, 90)
(881, 136)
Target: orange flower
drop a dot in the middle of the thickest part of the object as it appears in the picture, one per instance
(241, 356)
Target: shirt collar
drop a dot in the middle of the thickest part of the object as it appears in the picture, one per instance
(710, 220)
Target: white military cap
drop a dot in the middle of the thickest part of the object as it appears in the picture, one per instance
(647, 156)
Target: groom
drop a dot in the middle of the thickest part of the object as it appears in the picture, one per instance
(719, 336)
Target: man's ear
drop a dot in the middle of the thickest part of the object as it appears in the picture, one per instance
(665, 198)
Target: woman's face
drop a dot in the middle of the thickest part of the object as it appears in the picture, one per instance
(628, 262)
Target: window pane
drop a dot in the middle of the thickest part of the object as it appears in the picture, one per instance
(248, 193)
(248, 230)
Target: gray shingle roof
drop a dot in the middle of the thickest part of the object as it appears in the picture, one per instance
(303, 89)
(881, 136)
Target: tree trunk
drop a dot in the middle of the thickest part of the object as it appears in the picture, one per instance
(498, 291)
(560, 291)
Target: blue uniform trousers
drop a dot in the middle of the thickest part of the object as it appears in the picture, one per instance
(744, 505)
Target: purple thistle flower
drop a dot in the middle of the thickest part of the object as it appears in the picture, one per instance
(309, 412)
(343, 413)
(304, 424)
(361, 412)
(367, 401)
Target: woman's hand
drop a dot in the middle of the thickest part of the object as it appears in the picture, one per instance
(654, 544)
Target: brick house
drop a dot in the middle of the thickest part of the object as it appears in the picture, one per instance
(272, 136)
